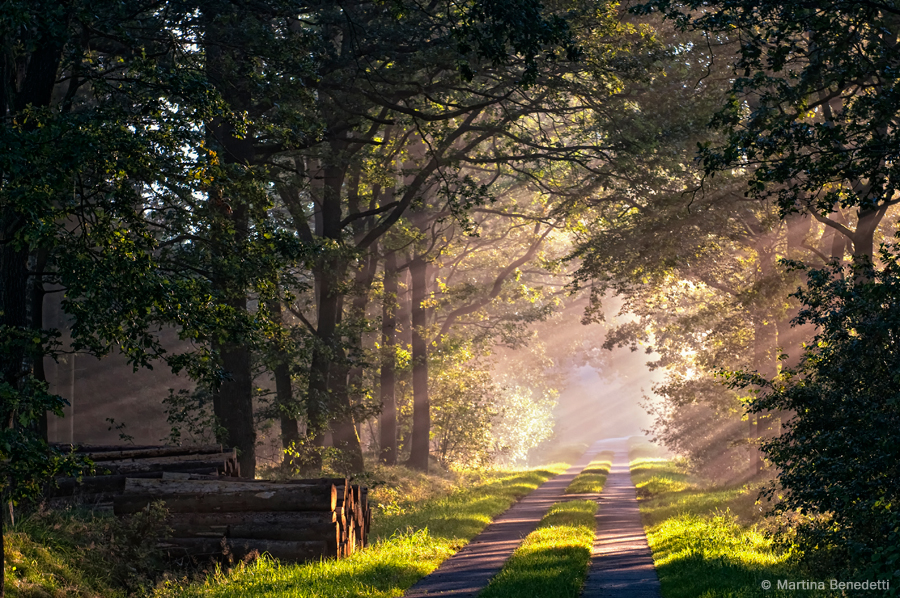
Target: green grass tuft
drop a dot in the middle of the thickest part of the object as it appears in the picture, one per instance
(593, 477)
(408, 543)
(552, 561)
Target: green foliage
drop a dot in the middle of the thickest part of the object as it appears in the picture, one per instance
(475, 421)
(26, 461)
(836, 457)
(190, 417)
(462, 403)
(553, 560)
(524, 421)
(797, 117)
(499, 31)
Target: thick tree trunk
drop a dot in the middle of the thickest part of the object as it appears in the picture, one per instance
(329, 274)
(864, 238)
(388, 427)
(284, 393)
(228, 68)
(421, 432)
(318, 400)
(14, 299)
(347, 380)
(344, 434)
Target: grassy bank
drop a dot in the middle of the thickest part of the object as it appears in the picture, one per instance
(76, 553)
(592, 477)
(553, 560)
(706, 541)
(419, 521)
(409, 541)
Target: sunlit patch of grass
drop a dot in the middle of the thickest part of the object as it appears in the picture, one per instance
(593, 477)
(74, 552)
(33, 569)
(552, 561)
(699, 546)
(408, 543)
(654, 476)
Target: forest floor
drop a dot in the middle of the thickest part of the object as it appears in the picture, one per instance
(708, 540)
(419, 521)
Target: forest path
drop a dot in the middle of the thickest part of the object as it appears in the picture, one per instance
(621, 563)
(468, 571)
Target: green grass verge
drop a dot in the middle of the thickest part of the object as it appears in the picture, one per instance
(48, 564)
(705, 540)
(553, 560)
(77, 553)
(593, 477)
(407, 545)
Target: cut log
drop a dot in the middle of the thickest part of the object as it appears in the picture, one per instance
(284, 499)
(110, 484)
(183, 486)
(66, 486)
(266, 525)
(132, 468)
(184, 475)
(241, 547)
(285, 518)
(167, 460)
(156, 452)
(99, 448)
(327, 532)
(326, 481)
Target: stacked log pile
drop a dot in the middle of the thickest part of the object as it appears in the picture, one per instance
(114, 464)
(295, 520)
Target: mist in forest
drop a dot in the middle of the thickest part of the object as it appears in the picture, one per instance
(599, 404)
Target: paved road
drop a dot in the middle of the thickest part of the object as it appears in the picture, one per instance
(621, 563)
(468, 571)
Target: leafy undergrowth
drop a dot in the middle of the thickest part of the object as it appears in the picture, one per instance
(592, 477)
(81, 554)
(408, 541)
(553, 560)
(396, 490)
(707, 541)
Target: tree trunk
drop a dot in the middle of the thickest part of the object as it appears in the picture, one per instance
(419, 445)
(388, 427)
(329, 274)
(864, 238)
(765, 362)
(233, 401)
(228, 69)
(765, 358)
(344, 434)
(318, 401)
(284, 393)
(349, 379)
